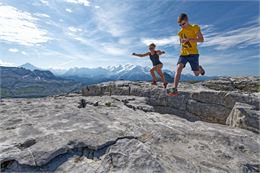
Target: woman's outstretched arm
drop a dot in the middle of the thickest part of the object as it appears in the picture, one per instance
(141, 55)
(159, 52)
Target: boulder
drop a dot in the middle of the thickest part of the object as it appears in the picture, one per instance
(244, 116)
(244, 84)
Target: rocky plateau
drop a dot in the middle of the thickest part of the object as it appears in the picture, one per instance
(125, 127)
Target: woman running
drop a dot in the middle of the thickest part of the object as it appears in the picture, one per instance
(157, 64)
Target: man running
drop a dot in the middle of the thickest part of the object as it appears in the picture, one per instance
(189, 35)
(157, 64)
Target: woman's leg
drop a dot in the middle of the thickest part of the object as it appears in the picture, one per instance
(152, 73)
(159, 71)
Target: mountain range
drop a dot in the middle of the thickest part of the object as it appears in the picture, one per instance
(21, 82)
(28, 80)
(119, 72)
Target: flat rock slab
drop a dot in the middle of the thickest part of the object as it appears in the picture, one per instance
(116, 134)
(195, 101)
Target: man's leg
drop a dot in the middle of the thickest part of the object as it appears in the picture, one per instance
(180, 65)
(152, 73)
(202, 71)
(195, 67)
(197, 73)
(159, 71)
(178, 75)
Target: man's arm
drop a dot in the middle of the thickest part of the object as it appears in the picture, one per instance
(184, 40)
(141, 55)
(199, 38)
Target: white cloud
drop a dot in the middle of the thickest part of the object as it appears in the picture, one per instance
(82, 2)
(81, 40)
(113, 50)
(68, 10)
(104, 48)
(96, 6)
(3, 63)
(206, 27)
(19, 27)
(74, 29)
(13, 50)
(112, 19)
(71, 34)
(126, 41)
(240, 38)
(41, 15)
(45, 2)
(24, 53)
(224, 59)
(161, 41)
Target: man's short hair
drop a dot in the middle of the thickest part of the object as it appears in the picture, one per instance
(182, 16)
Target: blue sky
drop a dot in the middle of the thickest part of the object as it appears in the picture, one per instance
(90, 33)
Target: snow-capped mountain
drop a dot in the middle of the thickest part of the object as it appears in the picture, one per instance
(119, 68)
(134, 68)
(122, 72)
(118, 72)
(29, 66)
(126, 72)
(57, 72)
(132, 72)
(87, 72)
(126, 68)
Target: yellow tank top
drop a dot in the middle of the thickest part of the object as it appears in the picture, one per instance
(189, 47)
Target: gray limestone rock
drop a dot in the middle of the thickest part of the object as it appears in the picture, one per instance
(142, 130)
(244, 116)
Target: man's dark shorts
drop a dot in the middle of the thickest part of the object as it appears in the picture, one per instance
(193, 59)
